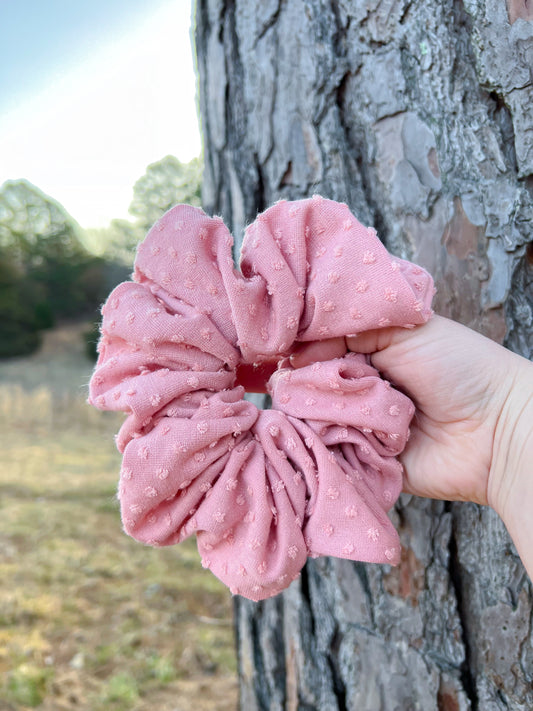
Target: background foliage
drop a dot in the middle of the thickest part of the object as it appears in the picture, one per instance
(51, 269)
(165, 183)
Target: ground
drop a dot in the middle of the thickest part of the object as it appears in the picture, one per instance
(89, 619)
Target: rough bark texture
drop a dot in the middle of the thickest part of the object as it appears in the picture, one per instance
(418, 115)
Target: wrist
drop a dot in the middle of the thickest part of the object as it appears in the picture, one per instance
(510, 485)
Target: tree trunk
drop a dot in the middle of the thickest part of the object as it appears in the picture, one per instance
(418, 115)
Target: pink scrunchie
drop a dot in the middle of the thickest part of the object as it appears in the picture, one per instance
(262, 489)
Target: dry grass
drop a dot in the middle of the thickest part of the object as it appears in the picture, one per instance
(89, 619)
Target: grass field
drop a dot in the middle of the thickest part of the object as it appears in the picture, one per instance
(90, 619)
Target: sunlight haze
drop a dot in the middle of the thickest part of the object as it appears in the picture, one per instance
(88, 133)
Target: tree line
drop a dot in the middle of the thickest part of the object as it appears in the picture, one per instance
(52, 270)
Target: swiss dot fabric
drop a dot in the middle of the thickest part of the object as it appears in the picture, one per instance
(263, 490)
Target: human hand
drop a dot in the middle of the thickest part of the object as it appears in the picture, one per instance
(459, 382)
(473, 428)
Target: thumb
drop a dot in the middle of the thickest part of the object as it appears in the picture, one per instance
(377, 340)
(380, 345)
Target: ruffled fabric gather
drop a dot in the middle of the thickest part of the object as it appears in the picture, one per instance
(263, 490)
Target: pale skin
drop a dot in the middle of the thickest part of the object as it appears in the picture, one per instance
(472, 435)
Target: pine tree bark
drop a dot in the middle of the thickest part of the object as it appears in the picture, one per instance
(419, 116)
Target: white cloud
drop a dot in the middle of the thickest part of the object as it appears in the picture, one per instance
(87, 137)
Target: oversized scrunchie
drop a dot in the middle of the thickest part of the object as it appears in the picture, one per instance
(316, 474)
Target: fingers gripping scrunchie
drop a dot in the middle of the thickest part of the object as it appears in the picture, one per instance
(317, 473)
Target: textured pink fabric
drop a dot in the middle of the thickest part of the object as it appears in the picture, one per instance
(317, 473)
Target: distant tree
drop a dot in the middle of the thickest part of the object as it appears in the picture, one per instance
(20, 316)
(165, 183)
(33, 226)
(45, 272)
(117, 241)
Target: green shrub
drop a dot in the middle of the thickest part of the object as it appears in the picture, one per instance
(19, 315)
(90, 338)
(26, 685)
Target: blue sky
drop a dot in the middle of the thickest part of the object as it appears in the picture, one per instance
(90, 93)
(40, 39)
